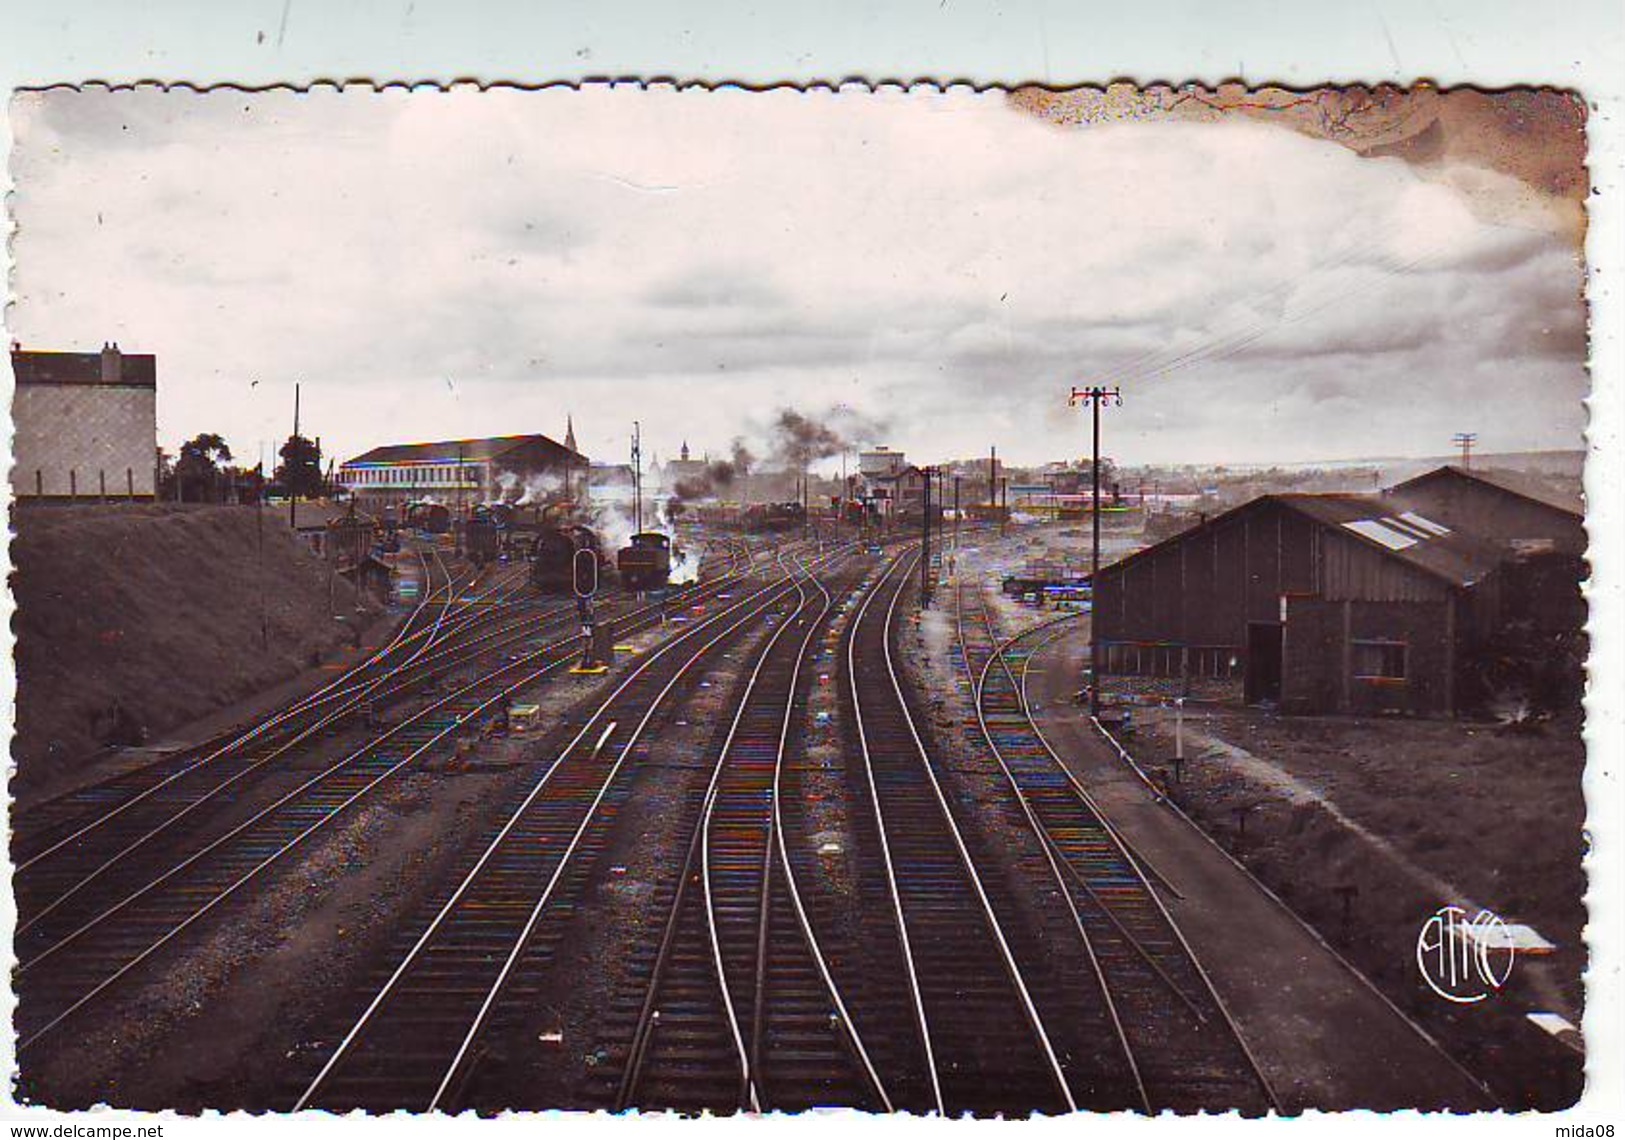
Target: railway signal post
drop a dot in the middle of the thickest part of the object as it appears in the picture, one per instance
(597, 651)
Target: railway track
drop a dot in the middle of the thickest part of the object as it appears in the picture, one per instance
(57, 888)
(64, 970)
(1171, 1029)
(108, 824)
(739, 1008)
(61, 824)
(448, 627)
(981, 1045)
(421, 1041)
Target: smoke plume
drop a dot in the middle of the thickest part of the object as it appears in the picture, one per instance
(799, 440)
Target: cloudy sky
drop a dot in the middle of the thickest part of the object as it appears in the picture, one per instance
(432, 265)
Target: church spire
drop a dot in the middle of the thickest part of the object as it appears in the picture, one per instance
(685, 451)
(569, 431)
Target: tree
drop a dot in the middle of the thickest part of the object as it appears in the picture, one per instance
(243, 485)
(300, 473)
(198, 467)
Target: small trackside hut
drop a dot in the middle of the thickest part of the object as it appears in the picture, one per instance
(1313, 603)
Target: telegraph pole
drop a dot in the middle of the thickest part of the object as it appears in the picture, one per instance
(925, 542)
(1094, 396)
(293, 492)
(1465, 441)
(259, 550)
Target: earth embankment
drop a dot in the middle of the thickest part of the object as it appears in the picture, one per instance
(132, 619)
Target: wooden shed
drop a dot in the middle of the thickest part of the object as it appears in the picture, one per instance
(1317, 603)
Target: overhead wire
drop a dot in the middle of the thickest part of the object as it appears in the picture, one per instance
(1227, 343)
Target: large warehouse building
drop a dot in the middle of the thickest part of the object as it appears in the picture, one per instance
(1342, 603)
(86, 424)
(468, 470)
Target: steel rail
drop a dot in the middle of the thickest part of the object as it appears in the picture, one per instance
(1053, 856)
(235, 744)
(1059, 860)
(1134, 863)
(793, 888)
(921, 1020)
(772, 594)
(501, 637)
(421, 658)
(317, 779)
(752, 1095)
(302, 835)
(703, 840)
(647, 1013)
(497, 842)
(972, 876)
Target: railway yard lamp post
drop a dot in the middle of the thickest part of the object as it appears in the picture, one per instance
(1094, 396)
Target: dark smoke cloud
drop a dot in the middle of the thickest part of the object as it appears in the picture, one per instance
(799, 439)
(718, 476)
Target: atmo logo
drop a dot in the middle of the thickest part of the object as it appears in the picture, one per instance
(1464, 960)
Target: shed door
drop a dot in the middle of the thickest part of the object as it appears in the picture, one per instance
(1263, 681)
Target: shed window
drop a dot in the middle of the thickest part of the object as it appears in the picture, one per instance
(1379, 660)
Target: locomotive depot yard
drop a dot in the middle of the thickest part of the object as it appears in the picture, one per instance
(826, 822)
(1013, 620)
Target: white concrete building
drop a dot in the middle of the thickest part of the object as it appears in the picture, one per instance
(465, 471)
(880, 463)
(86, 424)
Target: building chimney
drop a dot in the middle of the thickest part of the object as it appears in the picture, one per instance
(112, 364)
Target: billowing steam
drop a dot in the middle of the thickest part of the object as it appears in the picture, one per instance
(537, 487)
(612, 513)
(685, 565)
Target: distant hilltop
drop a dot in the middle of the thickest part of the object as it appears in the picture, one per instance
(1566, 462)
(1570, 462)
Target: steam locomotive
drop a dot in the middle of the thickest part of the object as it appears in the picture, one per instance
(645, 563)
(482, 538)
(553, 557)
(429, 517)
(499, 515)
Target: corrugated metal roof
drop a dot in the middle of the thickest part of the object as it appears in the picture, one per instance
(136, 370)
(1456, 557)
(452, 450)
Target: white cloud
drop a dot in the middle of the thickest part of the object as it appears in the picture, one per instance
(441, 264)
